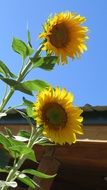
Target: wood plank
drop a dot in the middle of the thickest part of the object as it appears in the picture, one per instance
(90, 131)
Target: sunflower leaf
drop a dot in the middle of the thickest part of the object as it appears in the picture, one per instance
(28, 181)
(46, 63)
(29, 108)
(7, 184)
(38, 173)
(20, 47)
(16, 85)
(5, 70)
(35, 85)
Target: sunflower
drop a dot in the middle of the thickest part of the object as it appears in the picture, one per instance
(61, 121)
(64, 36)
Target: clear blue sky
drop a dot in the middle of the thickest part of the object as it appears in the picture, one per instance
(86, 77)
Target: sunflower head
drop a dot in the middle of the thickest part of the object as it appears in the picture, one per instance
(60, 119)
(65, 36)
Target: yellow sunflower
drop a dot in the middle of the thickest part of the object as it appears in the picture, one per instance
(60, 119)
(65, 36)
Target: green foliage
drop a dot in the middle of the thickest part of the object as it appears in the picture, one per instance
(46, 63)
(28, 181)
(8, 184)
(5, 70)
(5, 141)
(29, 107)
(17, 148)
(35, 85)
(16, 85)
(21, 48)
(24, 134)
(20, 147)
(38, 173)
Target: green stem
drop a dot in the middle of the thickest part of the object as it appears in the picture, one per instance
(6, 99)
(22, 74)
(12, 174)
(12, 90)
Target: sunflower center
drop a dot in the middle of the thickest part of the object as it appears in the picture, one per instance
(54, 115)
(59, 36)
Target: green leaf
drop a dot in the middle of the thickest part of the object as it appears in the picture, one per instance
(46, 63)
(28, 181)
(4, 141)
(20, 47)
(4, 170)
(25, 134)
(29, 38)
(35, 85)
(5, 70)
(16, 85)
(21, 139)
(4, 159)
(8, 131)
(30, 50)
(27, 102)
(38, 174)
(29, 108)
(21, 149)
(31, 156)
(7, 184)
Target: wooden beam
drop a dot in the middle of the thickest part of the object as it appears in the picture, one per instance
(49, 165)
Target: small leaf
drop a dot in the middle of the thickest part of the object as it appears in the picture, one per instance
(29, 38)
(46, 63)
(20, 47)
(25, 134)
(8, 131)
(35, 85)
(30, 50)
(31, 156)
(29, 108)
(4, 170)
(28, 181)
(5, 141)
(5, 70)
(21, 149)
(27, 102)
(21, 139)
(16, 85)
(38, 174)
(8, 184)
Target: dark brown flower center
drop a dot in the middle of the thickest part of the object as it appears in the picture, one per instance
(59, 36)
(54, 115)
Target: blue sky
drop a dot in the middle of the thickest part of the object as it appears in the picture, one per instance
(86, 77)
